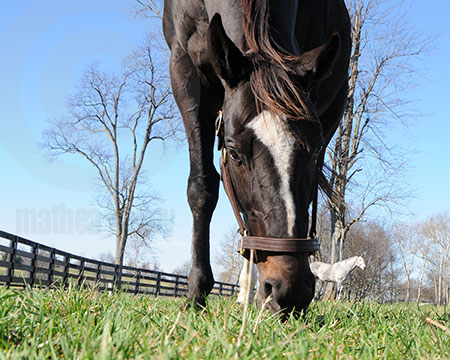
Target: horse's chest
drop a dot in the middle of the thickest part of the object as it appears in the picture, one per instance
(191, 28)
(197, 44)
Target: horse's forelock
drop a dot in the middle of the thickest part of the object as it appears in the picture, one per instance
(272, 79)
(275, 90)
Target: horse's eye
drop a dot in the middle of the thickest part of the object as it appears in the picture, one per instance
(235, 156)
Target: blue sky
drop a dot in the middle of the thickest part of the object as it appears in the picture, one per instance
(45, 46)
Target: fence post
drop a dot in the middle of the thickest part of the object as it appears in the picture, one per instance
(10, 258)
(97, 274)
(158, 284)
(220, 289)
(66, 270)
(81, 274)
(119, 278)
(138, 279)
(110, 285)
(117, 281)
(51, 267)
(33, 262)
(177, 281)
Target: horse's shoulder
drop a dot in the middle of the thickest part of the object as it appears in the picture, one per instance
(183, 21)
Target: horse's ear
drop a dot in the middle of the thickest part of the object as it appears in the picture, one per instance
(317, 64)
(227, 60)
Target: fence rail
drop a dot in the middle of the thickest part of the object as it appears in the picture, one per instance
(24, 262)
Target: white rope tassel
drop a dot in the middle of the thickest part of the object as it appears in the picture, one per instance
(249, 278)
(247, 298)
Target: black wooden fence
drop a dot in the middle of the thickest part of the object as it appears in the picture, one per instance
(25, 262)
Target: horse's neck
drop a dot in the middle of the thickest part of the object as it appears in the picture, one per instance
(283, 15)
(347, 263)
(282, 19)
(354, 260)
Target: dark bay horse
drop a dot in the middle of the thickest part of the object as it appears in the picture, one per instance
(277, 71)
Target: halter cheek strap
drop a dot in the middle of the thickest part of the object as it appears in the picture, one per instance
(281, 245)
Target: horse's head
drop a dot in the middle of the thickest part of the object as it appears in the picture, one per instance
(360, 263)
(272, 162)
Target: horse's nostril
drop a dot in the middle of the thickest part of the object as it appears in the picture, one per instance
(271, 286)
(267, 288)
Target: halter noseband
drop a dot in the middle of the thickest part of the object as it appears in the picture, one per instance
(248, 242)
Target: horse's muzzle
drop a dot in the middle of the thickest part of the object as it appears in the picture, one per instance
(286, 298)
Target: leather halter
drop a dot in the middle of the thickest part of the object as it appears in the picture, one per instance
(248, 242)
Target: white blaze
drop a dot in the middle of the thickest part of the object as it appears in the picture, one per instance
(270, 131)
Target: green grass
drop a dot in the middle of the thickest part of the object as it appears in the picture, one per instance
(38, 324)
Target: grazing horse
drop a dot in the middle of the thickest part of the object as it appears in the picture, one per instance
(337, 272)
(276, 72)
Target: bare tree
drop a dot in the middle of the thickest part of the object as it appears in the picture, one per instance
(140, 253)
(436, 230)
(365, 170)
(183, 269)
(107, 257)
(149, 8)
(423, 251)
(112, 119)
(380, 279)
(406, 247)
(228, 261)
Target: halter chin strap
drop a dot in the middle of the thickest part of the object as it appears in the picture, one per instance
(281, 245)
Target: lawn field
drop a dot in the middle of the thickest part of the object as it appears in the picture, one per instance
(85, 324)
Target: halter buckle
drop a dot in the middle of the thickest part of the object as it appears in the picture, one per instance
(241, 249)
(224, 155)
(219, 130)
(219, 122)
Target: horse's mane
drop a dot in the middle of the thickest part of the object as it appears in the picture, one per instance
(272, 80)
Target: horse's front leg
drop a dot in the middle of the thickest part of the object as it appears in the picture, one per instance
(339, 290)
(202, 196)
(319, 289)
(198, 105)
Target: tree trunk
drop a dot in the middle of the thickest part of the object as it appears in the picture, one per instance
(419, 288)
(408, 288)
(408, 276)
(445, 283)
(436, 299)
(439, 283)
(121, 240)
(337, 232)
